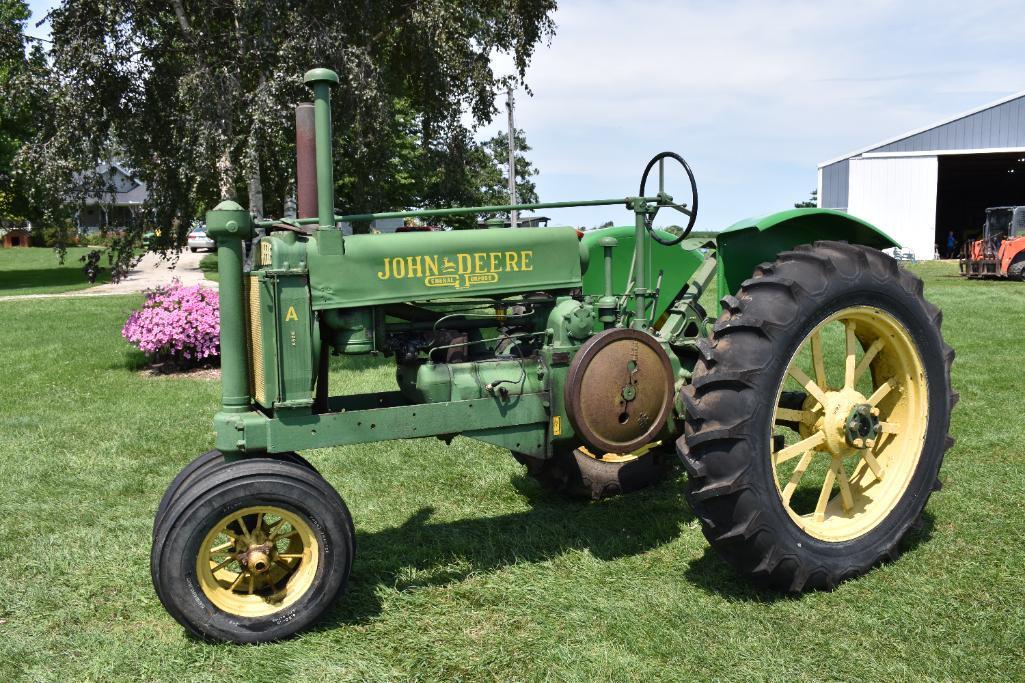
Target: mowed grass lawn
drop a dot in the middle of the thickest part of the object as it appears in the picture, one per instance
(37, 270)
(465, 569)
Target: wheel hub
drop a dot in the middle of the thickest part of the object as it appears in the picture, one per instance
(862, 426)
(257, 558)
(841, 407)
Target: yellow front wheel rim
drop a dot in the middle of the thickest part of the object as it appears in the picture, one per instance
(844, 458)
(257, 561)
(620, 457)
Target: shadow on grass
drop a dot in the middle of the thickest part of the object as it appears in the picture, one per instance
(133, 360)
(422, 553)
(359, 363)
(713, 575)
(31, 278)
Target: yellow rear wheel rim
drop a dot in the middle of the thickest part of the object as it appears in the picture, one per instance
(861, 427)
(257, 561)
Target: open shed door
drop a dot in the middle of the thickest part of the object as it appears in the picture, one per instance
(898, 195)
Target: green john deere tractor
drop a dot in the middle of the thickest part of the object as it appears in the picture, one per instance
(810, 414)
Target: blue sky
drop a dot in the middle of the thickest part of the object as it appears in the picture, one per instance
(753, 94)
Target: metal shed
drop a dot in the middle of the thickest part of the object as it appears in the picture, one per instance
(925, 183)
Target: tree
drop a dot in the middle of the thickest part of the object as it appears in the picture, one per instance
(493, 172)
(197, 96)
(21, 75)
(810, 203)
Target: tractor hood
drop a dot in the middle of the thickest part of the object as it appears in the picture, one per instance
(368, 270)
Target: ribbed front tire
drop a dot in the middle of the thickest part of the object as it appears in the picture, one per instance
(578, 476)
(253, 552)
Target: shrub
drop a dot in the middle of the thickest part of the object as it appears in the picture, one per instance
(92, 267)
(177, 325)
(98, 239)
(208, 264)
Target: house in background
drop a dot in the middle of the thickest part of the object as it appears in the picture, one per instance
(114, 201)
(15, 237)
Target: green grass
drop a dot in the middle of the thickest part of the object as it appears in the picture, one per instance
(208, 264)
(36, 270)
(465, 569)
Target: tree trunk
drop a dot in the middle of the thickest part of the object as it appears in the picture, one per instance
(255, 184)
(226, 173)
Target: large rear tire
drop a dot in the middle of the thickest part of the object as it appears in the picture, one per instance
(806, 495)
(254, 552)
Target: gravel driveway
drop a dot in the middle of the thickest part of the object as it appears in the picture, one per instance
(150, 272)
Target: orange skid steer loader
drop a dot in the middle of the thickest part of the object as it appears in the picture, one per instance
(1001, 250)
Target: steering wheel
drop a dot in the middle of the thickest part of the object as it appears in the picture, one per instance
(666, 200)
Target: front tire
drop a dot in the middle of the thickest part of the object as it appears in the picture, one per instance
(580, 475)
(805, 495)
(201, 466)
(254, 552)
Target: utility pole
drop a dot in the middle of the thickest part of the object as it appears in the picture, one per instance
(510, 105)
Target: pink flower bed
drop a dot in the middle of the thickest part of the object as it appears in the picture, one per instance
(176, 323)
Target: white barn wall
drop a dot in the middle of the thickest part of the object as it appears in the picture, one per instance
(897, 195)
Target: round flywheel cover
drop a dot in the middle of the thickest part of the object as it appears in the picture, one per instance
(619, 390)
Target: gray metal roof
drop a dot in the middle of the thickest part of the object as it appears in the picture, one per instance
(121, 187)
(997, 125)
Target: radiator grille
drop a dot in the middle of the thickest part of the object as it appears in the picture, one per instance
(254, 342)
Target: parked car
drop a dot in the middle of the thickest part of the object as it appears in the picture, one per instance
(198, 239)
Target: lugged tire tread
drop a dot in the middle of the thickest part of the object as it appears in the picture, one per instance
(722, 378)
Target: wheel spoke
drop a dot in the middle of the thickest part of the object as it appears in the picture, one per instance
(824, 495)
(795, 478)
(881, 392)
(290, 556)
(806, 382)
(867, 359)
(245, 531)
(238, 579)
(222, 548)
(850, 362)
(290, 534)
(259, 522)
(252, 582)
(790, 415)
(782, 455)
(222, 565)
(846, 497)
(284, 565)
(817, 361)
(889, 428)
(872, 463)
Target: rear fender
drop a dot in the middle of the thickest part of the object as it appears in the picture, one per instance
(752, 241)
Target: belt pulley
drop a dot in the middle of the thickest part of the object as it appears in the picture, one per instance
(619, 390)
